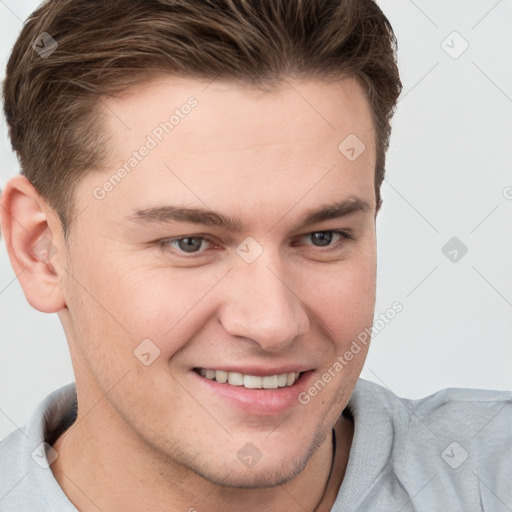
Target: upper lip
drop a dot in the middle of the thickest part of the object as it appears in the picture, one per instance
(259, 371)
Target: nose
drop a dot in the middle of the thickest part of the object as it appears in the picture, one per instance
(260, 305)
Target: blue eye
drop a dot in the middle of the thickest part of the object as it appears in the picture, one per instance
(189, 244)
(322, 238)
(325, 238)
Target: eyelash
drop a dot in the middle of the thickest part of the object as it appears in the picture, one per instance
(166, 243)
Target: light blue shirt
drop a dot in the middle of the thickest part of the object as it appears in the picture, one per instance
(448, 452)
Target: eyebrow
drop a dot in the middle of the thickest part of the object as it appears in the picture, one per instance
(168, 214)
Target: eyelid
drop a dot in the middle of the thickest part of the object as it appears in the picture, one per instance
(345, 234)
(166, 243)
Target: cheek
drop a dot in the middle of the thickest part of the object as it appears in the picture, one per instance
(342, 295)
(162, 304)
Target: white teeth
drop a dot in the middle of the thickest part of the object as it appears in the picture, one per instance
(270, 382)
(251, 381)
(235, 379)
(221, 377)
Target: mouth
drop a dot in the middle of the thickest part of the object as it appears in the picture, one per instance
(254, 390)
(282, 380)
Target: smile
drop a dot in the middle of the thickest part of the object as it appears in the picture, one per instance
(250, 381)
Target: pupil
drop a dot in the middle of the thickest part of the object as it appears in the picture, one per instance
(323, 238)
(190, 244)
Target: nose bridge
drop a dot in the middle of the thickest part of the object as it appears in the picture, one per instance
(260, 305)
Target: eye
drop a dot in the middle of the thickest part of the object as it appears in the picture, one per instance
(326, 238)
(188, 244)
(322, 238)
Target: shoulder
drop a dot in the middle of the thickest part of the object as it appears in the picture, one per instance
(26, 479)
(11, 471)
(465, 411)
(452, 447)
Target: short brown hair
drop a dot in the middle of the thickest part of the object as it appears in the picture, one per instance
(104, 47)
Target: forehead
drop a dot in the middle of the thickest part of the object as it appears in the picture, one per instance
(223, 143)
(227, 108)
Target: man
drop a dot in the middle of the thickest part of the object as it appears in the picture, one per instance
(198, 201)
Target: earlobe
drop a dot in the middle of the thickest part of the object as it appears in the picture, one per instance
(34, 243)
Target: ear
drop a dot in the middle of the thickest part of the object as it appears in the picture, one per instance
(35, 244)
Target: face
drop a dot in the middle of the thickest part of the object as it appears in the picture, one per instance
(239, 245)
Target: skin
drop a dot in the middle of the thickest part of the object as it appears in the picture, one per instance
(157, 432)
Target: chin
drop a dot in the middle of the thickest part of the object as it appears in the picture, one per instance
(241, 477)
(264, 473)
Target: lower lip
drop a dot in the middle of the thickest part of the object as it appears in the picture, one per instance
(263, 402)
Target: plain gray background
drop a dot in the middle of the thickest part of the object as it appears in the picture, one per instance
(449, 174)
